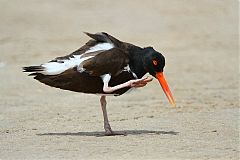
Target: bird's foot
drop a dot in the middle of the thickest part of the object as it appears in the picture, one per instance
(139, 82)
(109, 132)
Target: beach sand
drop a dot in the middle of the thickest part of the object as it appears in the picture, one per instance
(199, 40)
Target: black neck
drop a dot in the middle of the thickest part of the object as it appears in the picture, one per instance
(136, 55)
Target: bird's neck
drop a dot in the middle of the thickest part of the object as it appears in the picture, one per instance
(136, 61)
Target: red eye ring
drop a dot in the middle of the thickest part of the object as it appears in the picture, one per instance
(155, 62)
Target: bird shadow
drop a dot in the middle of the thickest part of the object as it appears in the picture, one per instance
(101, 134)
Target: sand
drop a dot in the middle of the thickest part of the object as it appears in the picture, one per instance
(200, 42)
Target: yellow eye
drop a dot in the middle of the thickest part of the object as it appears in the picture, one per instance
(155, 62)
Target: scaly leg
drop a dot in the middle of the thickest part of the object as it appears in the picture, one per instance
(107, 127)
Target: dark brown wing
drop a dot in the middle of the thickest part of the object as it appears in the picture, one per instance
(80, 51)
(73, 80)
(111, 62)
(97, 38)
(104, 37)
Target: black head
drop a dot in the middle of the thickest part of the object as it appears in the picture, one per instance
(154, 61)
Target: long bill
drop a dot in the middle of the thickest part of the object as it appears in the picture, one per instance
(163, 83)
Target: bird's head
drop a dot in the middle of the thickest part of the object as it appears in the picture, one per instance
(154, 63)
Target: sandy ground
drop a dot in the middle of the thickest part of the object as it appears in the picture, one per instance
(200, 42)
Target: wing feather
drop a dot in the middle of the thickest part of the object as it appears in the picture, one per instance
(111, 62)
(100, 55)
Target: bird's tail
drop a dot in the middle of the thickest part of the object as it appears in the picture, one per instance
(33, 69)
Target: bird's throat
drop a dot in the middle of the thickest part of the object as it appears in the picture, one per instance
(136, 61)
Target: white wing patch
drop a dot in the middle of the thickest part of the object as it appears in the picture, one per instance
(99, 47)
(54, 68)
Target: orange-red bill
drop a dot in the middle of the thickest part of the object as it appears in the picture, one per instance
(163, 83)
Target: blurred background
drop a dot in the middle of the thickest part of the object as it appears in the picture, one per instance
(198, 38)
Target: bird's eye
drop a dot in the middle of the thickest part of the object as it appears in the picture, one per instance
(155, 63)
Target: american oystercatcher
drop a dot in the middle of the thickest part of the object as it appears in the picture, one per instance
(104, 66)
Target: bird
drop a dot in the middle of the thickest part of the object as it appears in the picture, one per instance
(103, 66)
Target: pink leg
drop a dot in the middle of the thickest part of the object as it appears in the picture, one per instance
(131, 83)
(107, 127)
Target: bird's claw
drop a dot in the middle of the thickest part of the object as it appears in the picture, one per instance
(140, 82)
